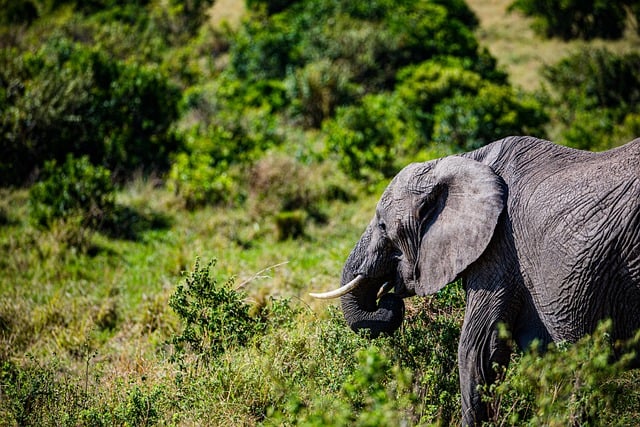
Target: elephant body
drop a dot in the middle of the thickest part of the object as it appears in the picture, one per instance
(545, 238)
(574, 220)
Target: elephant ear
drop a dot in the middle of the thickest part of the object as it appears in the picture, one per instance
(459, 218)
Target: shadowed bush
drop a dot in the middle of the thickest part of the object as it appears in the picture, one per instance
(568, 19)
(75, 188)
(66, 98)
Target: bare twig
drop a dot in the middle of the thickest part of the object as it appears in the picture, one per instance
(260, 274)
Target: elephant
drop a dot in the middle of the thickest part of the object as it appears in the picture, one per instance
(545, 238)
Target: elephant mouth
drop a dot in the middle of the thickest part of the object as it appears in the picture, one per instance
(392, 282)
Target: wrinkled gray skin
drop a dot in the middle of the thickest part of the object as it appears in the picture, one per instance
(545, 238)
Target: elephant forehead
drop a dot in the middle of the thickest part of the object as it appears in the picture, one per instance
(414, 178)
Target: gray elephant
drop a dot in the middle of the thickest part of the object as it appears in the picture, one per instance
(545, 238)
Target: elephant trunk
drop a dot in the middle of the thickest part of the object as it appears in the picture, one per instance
(362, 312)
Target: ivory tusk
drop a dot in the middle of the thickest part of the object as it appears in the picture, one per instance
(340, 291)
(384, 289)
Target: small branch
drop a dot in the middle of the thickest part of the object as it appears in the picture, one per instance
(260, 274)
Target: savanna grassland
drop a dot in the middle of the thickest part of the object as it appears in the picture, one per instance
(176, 176)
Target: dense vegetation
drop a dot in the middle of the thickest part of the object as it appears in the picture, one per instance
(139, 142)
(587, 19)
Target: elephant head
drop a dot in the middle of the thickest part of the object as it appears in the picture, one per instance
(433, 220)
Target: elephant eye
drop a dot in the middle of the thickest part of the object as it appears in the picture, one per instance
(382, 226)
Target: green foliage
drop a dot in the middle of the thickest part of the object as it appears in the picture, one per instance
(33, 396)
(66, 98)
(290, 225)
(370, 137)
(597, 78)
(440, 101)
(570, 19)
(214, 317)
(591, 129)
(75, 188)
(139, 408)
(368, 41)
(317, 89)
(376, 393)
(596, 92)
(579, 384)
(234, 125)
(494, 112)
(198, 180)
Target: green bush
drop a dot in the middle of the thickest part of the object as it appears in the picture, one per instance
(317, 89)
(369, 138)
(471, 121)
(597, 78)
(198, 180)
(75, 188)
(590, 130)
(440, 102)
(572, 384)
(568, 19)
(66, 98)
(376, 393)
(370, 41)
(423, 86)
(214, 316)
(35, 395)
(596, 94)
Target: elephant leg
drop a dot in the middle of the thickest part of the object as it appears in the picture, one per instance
(479, 349)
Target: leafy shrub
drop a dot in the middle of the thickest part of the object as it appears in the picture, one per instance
(198, 181)
(214, 317)
(595, 91)
(494, 112)
(568, 19)
(369, 40)
(370, 137)
(140, 408)
(290, 225)
(426, 84)
(579, 384)
(437, 101)
(33, 395)
(597, 78)
(590, 130)
(423, 86)
(75, 188)
(67, 98)
(376, 393)
(317, 89)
